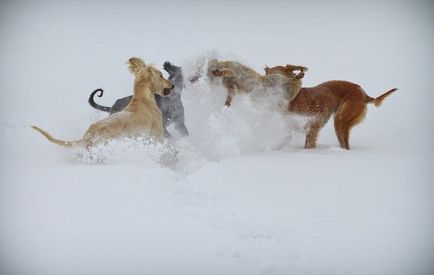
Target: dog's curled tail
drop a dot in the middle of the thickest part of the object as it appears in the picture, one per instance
(97, 106)
(378, 100)
(55, 140)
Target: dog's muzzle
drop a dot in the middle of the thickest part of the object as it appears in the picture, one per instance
(167, 91)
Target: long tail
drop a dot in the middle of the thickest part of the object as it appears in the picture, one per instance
(55, 140)
(377, 101)
(97, 106)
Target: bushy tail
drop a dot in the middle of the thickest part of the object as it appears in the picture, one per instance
(97, 106)
(377, 101)
(55, 140)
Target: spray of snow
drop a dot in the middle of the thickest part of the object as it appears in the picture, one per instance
(255, 122)
(141, 150)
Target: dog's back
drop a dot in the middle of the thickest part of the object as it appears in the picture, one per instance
(244, 78)
(120, 104)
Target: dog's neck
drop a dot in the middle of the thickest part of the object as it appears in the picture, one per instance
(142, 96)
(142, 92)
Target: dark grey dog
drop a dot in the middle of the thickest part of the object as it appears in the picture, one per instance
(171, 106)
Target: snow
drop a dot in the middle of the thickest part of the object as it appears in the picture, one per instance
(244, 197)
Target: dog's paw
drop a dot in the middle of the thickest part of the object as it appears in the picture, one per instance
(170, 68)
(167, 65)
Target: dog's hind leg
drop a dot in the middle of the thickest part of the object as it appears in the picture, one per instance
(343, 134)
(348, 115)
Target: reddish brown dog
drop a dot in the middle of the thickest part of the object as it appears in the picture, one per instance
(345, 99)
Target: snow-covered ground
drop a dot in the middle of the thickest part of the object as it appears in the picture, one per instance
(237, 202)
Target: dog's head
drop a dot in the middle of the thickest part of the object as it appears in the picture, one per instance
(136, 66)
(220, 69)
(147, 75)
(213, 65)
(288, 70)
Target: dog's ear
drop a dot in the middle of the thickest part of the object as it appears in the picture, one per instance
(136, 61)
(266, 69)
(136, 65)
(303, 68)
(294, 68)
(291, 67)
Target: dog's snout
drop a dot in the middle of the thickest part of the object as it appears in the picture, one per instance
(167, 91)
(173, 86)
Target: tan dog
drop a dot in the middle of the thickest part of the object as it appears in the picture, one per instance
(345, 99)
(237, 78)
(141, 117)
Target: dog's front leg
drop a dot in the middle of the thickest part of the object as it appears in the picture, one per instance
(231, 93)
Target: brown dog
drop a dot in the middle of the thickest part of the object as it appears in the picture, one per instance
(237, 78)
(345, 99)
(142, 115)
